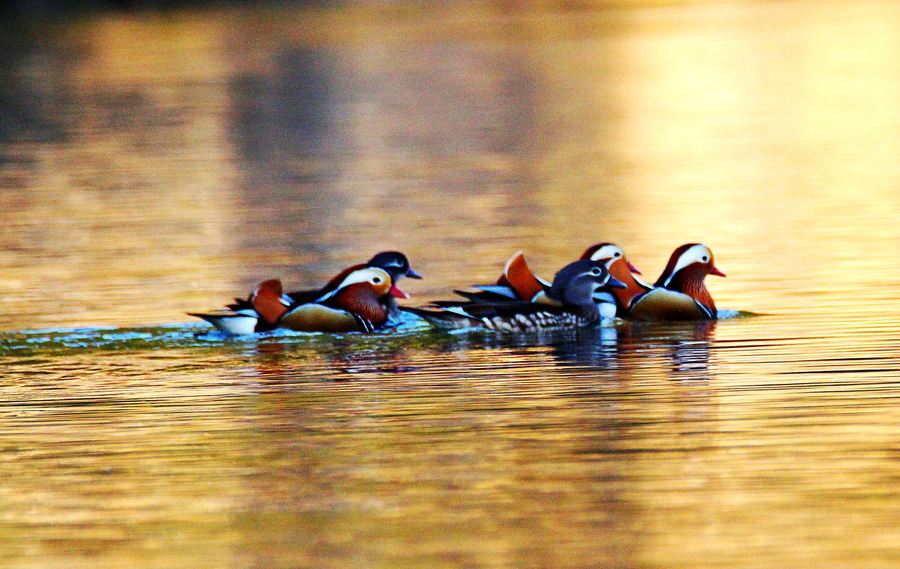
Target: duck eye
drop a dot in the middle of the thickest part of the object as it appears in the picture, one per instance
(617, 255)
(705, 258)
(595, 271)
(376, 280)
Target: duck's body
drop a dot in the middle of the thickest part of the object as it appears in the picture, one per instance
(680, 292)
(361, 298)
(359, 303)
(570, 304)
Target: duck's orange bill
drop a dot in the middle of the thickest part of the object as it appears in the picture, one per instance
(633, 269)
(714, 271)
(397, 293)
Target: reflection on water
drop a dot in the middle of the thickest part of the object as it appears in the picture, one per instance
(155, 164)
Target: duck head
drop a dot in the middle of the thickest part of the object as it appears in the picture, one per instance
(392, 262)
(395, 263)
(610, 255)
(577, 284)
(686, 270)
(613, 257)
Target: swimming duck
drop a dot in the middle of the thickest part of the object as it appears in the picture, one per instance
(620, 268)
(569, 304)
(680, 292)
(394, 263)
(357, 300)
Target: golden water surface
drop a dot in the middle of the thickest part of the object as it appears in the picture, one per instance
(152, 164)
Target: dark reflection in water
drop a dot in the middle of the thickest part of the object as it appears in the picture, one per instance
(285, 143)
(31, 94)
(284, 118)
(684, 347)
(412, 133)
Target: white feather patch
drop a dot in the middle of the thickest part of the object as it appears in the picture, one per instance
(356, 277)
(504, 291)
(459, 312)
(693, 255)
(608, 252)
(236, 325)
(607, 311)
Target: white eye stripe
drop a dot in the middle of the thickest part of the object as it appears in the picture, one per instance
(367, 275)
(607, 252)
(696, 254)
(593, 273)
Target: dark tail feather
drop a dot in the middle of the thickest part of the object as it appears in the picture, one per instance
(304, 296)
(240, 304)
(208, 317)
(423, 311)
(441, 317)
(476, 295)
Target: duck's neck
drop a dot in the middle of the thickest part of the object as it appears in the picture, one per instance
(360, 299)
(690, 281)
(625, 296)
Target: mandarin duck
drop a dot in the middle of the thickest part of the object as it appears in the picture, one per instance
(680, 292)
(357, 300)
(394, 263)
(569, 302)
